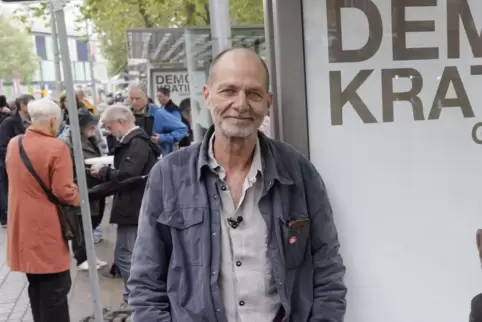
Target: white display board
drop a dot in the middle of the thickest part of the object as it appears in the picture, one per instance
(403, 170)
(176, 81)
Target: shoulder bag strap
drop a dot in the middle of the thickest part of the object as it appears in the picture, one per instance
(26, 161)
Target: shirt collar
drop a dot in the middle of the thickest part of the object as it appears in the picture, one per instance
(273, 168)
(256, 165)
(127, 133)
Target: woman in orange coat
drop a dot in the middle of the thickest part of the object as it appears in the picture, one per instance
(35, 242)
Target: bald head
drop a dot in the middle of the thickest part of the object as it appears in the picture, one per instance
(237, 93)
(237, 56)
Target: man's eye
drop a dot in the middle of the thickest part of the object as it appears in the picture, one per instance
(228, 91)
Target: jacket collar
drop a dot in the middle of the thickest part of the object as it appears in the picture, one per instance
(90, 145)
(87, 145)
(148, 111)
(135, 131)
(272, 170)
(19, 120)
(171, 107)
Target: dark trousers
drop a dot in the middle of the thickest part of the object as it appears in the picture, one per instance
(3, 192)
(78, 247)
(48, 296)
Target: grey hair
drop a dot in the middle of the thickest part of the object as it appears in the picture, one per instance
(118, 112)
(101, 108)
(43, 110)
(138, 85)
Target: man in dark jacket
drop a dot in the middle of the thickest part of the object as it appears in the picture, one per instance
(11, 127)
(4, 109)
(185, 107)
(164, 98)
(134, 156)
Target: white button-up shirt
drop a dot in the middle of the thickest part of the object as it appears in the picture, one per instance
(247, 285)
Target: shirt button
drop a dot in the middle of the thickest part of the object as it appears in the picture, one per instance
(215, 197)
(214, 234)
(241, 303)
(223, 188)
(270, 183)
(238, 263)
(214, 272)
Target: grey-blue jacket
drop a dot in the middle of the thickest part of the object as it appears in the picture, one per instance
(176, 259)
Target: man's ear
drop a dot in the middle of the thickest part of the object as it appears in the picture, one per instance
(270, 101)
(206, 93)
(207, 96)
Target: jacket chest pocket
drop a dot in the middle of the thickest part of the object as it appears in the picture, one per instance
(186, 225)
(296, 235)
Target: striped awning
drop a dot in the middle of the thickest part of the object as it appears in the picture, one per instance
(168, 45)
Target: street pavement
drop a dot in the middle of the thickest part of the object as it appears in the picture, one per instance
(14, 302)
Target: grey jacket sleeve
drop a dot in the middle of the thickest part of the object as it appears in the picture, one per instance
(329, 304)
(150, 260)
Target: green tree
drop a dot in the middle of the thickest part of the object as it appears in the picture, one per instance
(16, 53)
(112, 17)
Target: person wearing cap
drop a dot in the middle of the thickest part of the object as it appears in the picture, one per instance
(90, 149)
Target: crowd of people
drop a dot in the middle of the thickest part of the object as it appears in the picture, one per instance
(234, 228)
(135, 132)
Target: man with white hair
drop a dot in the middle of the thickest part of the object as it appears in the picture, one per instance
(166, 129)
(134, 156)
(35, 244)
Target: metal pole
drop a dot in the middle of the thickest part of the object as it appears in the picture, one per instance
(91, 65)
(256, 46)
(276, 114)
(55, 42)
(195, 86)
(79, 160)
(220, 25)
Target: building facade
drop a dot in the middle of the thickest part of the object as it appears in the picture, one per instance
(42, 45)
(79, 55)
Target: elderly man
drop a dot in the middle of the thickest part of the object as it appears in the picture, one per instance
(35, 243)
(134, 156)
(166, 129)
(238, 227)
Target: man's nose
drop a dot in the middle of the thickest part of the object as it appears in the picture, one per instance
(241, 103)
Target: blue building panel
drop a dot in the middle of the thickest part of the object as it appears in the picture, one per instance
(82, 51)
(40, 46)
